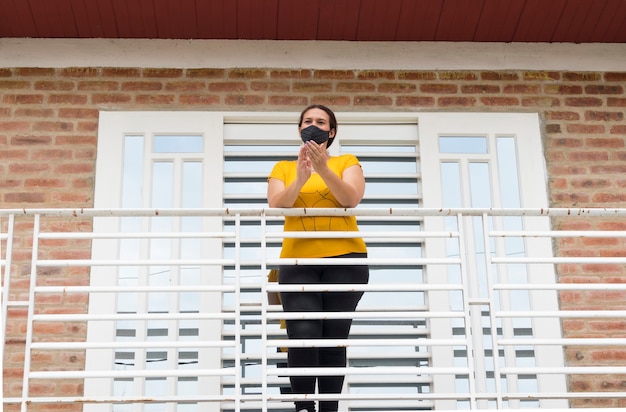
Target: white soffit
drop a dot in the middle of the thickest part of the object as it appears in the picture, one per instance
(18, 52)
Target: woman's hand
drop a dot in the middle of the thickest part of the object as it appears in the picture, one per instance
(317, 155)
(279, 195)
(305, 166)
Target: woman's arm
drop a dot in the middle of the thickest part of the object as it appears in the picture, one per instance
(347, 189)
(279, 195)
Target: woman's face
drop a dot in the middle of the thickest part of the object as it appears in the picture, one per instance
(316, 117)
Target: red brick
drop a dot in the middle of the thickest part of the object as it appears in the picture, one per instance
(288, 100)
(480, 88)
(275, 87)
(291, 74)
(500, 101)
(332, 101)
(163, 73)
(539, 101)
(334, 74)
(206, 73)
(244, 100)
(19, 198)
(561, 115)
(583, 101)
(110, 98)
(205, 99)
(155, 99)
(35, 71)
(123, 72)
(312, 87)
(98, 85)
(228, 87)
(414, 75)
(141, 86)
(616, 102)
(438, 88)
(55, 85)
(456, 101)
(33, 112)
(396, 88)
(78, 113)
(247, 74)
(603, 89)
(593, 115)
(605, 142)
(618, 129)
(415, 101)
(14, 85)
(79, 72)
(373, 101)
(355, 87)
(23, 98)
(542, 75)
(615, 76)
(581, 76)
(52, 126)
(562, 89)
(585, 128)
(499, 76)
(457, 75)
(14, 126)
(185, 86)
(522, 89)
(376, 75)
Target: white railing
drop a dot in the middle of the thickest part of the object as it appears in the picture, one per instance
(454, 301)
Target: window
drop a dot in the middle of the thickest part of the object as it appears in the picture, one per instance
(215, 160)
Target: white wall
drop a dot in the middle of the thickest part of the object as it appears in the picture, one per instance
(311, 54)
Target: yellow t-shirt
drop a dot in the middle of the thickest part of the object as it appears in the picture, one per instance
(315, 193)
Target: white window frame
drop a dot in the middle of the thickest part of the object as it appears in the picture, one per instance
(115, 124)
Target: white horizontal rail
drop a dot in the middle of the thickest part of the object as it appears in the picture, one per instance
(397, 335)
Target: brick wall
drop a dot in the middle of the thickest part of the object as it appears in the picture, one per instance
(48, 135)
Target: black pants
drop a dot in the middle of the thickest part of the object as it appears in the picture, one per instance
(318, 328)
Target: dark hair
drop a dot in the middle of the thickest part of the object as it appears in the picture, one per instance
(332, 120)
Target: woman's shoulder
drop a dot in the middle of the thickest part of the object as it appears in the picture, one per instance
(347, 159)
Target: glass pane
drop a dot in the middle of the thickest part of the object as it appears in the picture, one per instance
(462, 144)
(177, 144)
(132, 171)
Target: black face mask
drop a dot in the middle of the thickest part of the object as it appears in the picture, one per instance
(314, 133)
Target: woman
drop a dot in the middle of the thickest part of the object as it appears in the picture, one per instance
(318, 180)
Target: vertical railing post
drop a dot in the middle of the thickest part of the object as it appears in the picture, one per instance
(492, 316)
(472, 329)
(238, 344)
(31, 312)
(264, 304)
(6, 285)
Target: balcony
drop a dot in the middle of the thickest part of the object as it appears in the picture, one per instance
(168, 310)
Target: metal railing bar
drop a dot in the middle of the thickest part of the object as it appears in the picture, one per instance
(365, 315)
(304, 343)
(132, 316)
(560, 286)
(563, 314)
(557, 260)
(230, 212)
(138, 289)
(377, 370)
(560, 233)
(135, 262)
(575, 370)
(565, 341)
(163, 373)
(131, 345)
(136, 235)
